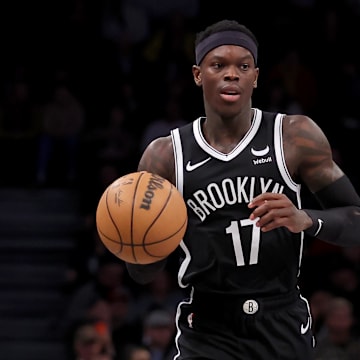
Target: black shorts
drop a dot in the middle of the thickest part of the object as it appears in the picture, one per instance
(235, 328)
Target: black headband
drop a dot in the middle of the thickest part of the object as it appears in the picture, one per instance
(225, 38)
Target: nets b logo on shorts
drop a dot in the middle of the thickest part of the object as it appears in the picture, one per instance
(250, 307)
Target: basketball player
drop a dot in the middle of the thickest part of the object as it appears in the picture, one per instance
(239, 169)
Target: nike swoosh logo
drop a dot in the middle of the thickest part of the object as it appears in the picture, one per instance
(262, 152)
(191, 167)
(320, 224)
(304, 329)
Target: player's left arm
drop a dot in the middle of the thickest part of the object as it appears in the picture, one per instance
(309, 156)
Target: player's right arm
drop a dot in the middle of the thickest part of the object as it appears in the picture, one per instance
(158, 158)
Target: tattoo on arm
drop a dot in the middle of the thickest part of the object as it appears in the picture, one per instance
(158, 158)
(309, 154)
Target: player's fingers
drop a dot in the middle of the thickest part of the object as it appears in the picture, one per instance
(274, 224)
(260, 199)
(267, 206)
(273, 219)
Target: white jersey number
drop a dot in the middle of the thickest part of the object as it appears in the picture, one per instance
(234, 230)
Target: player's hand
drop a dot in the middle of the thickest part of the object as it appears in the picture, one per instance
(274, 210)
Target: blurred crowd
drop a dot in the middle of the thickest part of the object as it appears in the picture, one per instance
(87, 85)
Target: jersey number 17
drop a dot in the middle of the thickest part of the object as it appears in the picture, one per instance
(234, 230)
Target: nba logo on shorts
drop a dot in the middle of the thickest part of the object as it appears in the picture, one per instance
(190, 320)
(250, 307)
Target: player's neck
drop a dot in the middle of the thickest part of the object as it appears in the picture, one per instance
(225, 134)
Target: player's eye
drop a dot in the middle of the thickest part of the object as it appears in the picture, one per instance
(245, 66)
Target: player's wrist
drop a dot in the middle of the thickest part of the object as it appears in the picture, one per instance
(143, 274)
(313, 227)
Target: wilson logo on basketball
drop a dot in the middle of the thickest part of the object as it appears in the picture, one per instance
(154, 183)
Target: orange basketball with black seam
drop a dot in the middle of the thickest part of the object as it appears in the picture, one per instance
(141, 218)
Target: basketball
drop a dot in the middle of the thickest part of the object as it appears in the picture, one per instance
(141, 218)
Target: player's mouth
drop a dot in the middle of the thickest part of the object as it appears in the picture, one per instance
(230, 93)
(230, 96)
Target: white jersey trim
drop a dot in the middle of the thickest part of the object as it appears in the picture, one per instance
(281, 163)
(179, 160)
(199, 137)
(279, 152)
(177, 320)
(179, 183)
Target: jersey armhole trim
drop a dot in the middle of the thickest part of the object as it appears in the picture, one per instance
(179, 160)
(179, 180)
(280, 160)
(279, 152)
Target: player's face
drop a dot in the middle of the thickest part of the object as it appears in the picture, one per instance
(228, 76)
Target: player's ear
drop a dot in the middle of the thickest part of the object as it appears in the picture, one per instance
(256, 79)
(197, 75)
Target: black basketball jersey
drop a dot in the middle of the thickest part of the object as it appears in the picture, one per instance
(223, 251)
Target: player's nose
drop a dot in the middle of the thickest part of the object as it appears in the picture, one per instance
(232, 73)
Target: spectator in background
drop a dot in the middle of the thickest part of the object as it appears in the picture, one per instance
(158, 334)
(319, 302)
(126, 329)
(135, 352)
(344, 282)
(161, 293)
(114, 309)
(341, 341)
(90, 340)
(62, 126)
(108, 276)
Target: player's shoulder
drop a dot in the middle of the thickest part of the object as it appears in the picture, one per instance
(291, 119)
(295, 123)
(158, 158)
(294, 119)
(160, 144)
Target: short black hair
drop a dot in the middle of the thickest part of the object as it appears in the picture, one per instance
(224, 25)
